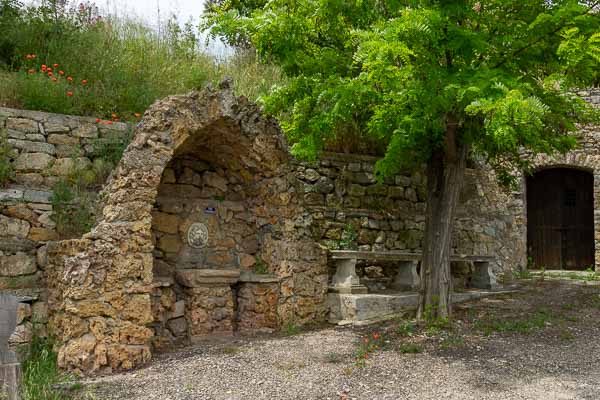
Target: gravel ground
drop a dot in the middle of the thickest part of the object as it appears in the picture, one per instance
(555, 356)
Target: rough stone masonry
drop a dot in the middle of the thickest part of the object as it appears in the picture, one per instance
(209, 227)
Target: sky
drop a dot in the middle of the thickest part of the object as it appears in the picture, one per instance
(148, 10)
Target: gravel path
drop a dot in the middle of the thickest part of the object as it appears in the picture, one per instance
(560, 360)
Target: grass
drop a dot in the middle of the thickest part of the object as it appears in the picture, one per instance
(527, 325)
(231, 350)
(410, 348)
(290, 328)
(40, 371)
(126, 65)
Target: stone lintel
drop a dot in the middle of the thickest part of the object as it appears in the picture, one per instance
(207, 277)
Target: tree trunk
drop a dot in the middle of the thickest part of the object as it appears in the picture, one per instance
(445, 176)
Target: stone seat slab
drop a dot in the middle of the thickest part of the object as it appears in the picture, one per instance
(207, 277)
(346, 281)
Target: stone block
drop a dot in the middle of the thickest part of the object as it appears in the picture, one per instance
(17, 265)
(11, 194)
(33, 147)
(23, 125)
(86, 131)
(213, 179)
(169, 243)
(178, 326)
(13, 227)
(167, 223)
(63, 139)
(38, 234)
(33, 161)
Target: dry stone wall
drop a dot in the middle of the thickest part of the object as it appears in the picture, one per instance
(45, 149)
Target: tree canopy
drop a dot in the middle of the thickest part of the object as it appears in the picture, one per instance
(397, 70)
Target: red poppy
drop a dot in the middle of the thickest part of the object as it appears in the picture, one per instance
(33, 56)
(50, 73)
(55, 65)
(98, 120)
(54, 79)
(366, 355)
(69, 93)
(84, 82)
(49, 69)
(116, 119)
(137, 115)
(61, 73)
(109, 122)
(70, 79)
(366, 340)
(376, 336)
(28, 56)
(44, 67)
(31, 71)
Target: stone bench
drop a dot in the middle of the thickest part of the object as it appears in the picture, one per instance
(345, 280)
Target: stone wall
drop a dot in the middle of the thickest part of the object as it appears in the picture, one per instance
(46, 146)
(341, 194)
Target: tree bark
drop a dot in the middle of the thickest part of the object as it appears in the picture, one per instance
(445, 176)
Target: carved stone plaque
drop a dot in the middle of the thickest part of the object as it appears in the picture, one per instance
(197, 235)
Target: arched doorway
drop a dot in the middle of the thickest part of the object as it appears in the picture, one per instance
(560, 219)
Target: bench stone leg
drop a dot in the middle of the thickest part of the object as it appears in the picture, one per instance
(407, 278)
(483, 277)
(345, 280)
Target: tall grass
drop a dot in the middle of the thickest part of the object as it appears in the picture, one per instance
(40, 371)
(126, 65)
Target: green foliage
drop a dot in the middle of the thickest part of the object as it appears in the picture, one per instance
(406, 328)
(73, 197)
(260, 267)
(40, 371)
(126, 64)
(7, 156)
(529, 324)
(290, 328)
(405, 72)
(410, 348)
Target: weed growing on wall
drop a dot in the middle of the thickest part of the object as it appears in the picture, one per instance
(7, 156)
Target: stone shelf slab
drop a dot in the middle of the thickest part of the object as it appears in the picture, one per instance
(207, 277)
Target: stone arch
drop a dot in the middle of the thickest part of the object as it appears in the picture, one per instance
(100, 286)
(580, 160)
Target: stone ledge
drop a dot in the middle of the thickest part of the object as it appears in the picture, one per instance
(251, 277)
(207, 277)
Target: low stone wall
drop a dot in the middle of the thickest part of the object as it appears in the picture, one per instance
(46, 147)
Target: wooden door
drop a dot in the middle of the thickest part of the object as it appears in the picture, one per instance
(560, 219)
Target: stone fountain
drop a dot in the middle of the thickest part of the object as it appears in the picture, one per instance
(10, 369)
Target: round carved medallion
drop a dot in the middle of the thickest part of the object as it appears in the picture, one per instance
(197, 235)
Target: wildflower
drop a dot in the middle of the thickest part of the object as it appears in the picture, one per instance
(137, 115)
(98, 120)
(49, 69)
(28, 56)
(44, 67)
(366, 355)
(31, 71)
(366, 340)
(70, 79)
(109, 122)
(116, 119)
(50, 73)
(113, 116)
(33, 56)
(376, 336)
(84, 82)
(61, 73)
(70, 94)
(55, 65)
(54, 79)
